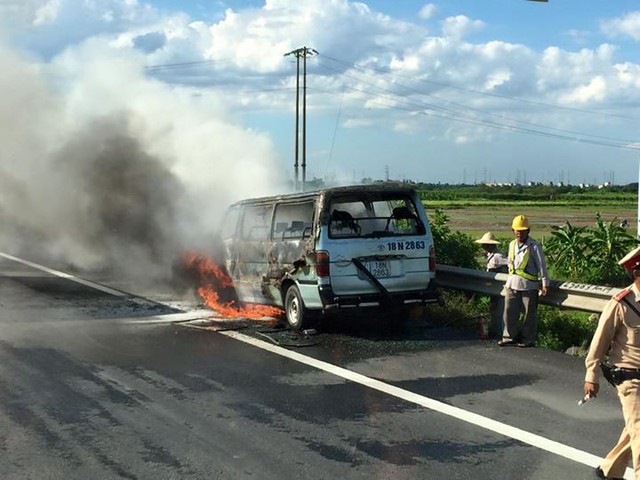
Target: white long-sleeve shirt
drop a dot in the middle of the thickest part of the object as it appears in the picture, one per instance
(536, 266)
(495, 260)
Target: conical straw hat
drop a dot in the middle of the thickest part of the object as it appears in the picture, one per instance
(488, 238)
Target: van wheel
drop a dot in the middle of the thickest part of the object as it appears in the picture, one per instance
(297, 316)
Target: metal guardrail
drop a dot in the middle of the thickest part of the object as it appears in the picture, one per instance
(578, 296)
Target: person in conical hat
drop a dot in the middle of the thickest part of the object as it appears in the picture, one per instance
(617, 334)
(527, 280)
(488, 239)
(496, 262)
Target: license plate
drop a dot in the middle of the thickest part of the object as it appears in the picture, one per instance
(379, 268)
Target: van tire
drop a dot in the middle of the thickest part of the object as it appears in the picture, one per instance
(297, 316)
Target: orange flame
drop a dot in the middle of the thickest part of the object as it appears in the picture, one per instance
(214, 281)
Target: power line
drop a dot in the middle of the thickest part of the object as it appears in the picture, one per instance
(487, 94)
(459, 112)
(463, 116)
(169, 66)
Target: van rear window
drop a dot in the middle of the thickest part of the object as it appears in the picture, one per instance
(367, 216)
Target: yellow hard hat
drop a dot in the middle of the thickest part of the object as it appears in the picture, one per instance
(520, 222)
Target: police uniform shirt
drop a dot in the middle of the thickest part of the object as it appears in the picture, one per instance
(536, 266)
(618, 333)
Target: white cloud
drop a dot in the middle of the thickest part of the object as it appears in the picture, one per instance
(54, 24)
(408, 63)
(560, 72)
(594, 90)
(427, 11)
(377, 69)
(47, 13)
(628, 75)
(627, 25)
(579, 36)
(497, 78)
(460, 26)
(491, 66)
(254, 37)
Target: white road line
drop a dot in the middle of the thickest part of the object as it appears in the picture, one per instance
(58, 273)
(168, 318)
(455, 412)
(183, 317)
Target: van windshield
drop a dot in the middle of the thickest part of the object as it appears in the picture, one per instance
(383, 215)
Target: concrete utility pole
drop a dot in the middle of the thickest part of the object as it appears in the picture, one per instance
(299, 53)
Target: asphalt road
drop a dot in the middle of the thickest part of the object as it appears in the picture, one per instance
(101, 384)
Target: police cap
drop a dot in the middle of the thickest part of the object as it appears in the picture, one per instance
(631, 260)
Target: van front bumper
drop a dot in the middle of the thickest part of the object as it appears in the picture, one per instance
(330, 300)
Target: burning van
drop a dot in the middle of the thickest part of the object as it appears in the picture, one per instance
(336, 248)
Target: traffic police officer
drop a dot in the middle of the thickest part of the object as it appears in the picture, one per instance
(618, 333)
(527, 276)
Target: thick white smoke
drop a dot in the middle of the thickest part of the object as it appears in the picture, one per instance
(102, 167)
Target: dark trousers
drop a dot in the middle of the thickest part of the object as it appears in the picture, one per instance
(496, 312)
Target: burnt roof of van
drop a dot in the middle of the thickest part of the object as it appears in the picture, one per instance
(400, 188)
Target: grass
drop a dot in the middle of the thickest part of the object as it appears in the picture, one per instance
(557, 329)
(477, 219)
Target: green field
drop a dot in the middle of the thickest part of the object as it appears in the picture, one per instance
(477, 219)
(474, 209)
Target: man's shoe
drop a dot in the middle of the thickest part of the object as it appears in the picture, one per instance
(600, 474)
(506, 343)
(527, 345)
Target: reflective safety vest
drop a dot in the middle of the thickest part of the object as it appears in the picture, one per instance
(520, 271)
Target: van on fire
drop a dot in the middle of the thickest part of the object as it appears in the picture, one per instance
(322, 251)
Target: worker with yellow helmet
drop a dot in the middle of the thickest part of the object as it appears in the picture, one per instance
(526, 281)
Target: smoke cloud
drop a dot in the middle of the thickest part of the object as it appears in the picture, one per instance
(104, 168)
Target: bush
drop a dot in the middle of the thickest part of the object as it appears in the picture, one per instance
(452, 248)
(458, 308)
(559, 330)
(590, 255)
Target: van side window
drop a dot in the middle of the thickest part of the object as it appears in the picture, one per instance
(292, 221)
(230, 223)
(256, 222)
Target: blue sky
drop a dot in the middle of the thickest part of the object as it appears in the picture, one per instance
(441, 91)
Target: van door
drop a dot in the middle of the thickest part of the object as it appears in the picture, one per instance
(292, 240)
(251, 252)
(228, 237)
(378, 243)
